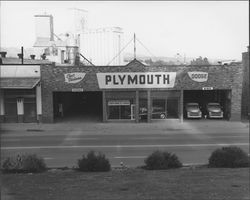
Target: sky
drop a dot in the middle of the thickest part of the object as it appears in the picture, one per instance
(212, 29)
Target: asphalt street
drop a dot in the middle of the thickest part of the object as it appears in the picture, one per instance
(63, 144)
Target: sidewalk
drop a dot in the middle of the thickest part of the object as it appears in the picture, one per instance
(103, 128)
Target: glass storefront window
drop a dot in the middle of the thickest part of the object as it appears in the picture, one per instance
(113, 112)
(119, 109)
(159, 109)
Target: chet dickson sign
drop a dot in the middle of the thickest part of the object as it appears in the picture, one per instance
(136, 80)
(74, 77)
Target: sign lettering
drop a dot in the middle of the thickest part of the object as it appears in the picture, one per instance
(136, 80)
(207, 88)
(74, 77)
(198, 76)
(118, 103)
(77, 90)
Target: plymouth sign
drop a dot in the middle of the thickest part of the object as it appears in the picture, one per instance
(198, 76)
(74, 77)
(136, 80)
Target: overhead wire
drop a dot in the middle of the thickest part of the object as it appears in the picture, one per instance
(120, 51)
(146, 48)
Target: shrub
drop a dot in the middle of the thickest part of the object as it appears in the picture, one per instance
(94, 163)
(162, 160)
(27, 163)
(229, 157)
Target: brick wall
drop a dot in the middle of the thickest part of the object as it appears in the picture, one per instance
(220, 77)
(245, 86)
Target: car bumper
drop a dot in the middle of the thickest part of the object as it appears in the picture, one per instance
(193, 116)
(216, 115)
(212, 116)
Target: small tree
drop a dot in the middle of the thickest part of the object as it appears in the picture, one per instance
(162, 160)
(229, 157)
(200, 61)
(94, 162)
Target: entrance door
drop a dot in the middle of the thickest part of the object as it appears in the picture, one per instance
(143, 109)
(11, 110)
(132, 111)
(30, 110)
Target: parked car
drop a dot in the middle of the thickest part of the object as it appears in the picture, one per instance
(157, 113)
(214, 110)
(193, 110)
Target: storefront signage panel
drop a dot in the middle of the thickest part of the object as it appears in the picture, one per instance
(136, 80)
(74, 77)
(118, 103)
(77, 90)
(198, 76)
(207, 88)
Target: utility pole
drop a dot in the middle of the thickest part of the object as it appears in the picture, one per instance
(22, 54)
(134, 47)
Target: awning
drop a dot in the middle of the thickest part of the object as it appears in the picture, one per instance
(18, 83)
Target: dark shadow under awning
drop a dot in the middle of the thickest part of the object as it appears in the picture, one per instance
(18, 83)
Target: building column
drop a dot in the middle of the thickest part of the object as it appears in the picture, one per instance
(2, 106)
(136, 106)
(181, 107)
(39, 102)
(104, 107)
(20, 110)
(236, 104)
(149, 106)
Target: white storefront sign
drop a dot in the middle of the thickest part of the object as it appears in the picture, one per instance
(198, 76)
(118, 103)
(74, 77)
(136, 80)
(207, 88)
(77, 89)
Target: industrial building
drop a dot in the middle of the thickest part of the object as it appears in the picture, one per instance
(100, 46)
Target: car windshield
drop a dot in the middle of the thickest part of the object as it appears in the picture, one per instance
(213, 105)
(194, 106)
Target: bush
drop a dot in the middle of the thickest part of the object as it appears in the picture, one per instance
(229, 157)
(94, 163)
(162, 160)
(26, 163)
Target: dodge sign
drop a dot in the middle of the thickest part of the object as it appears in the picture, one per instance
(198, 76)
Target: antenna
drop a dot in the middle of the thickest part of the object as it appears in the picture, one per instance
(134, 47)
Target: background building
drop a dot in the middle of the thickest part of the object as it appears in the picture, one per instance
(102, 46)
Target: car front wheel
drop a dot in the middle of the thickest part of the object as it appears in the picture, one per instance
(163, 116)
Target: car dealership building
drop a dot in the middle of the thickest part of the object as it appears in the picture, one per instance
(135, 92)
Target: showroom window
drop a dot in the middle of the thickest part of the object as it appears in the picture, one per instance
(159, 110)
(120, 109)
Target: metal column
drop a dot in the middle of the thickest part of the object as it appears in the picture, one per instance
(104, 108)
(149, 106)
(181, 107)
(136, 106)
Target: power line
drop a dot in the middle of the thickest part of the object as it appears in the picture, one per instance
(146, 48)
